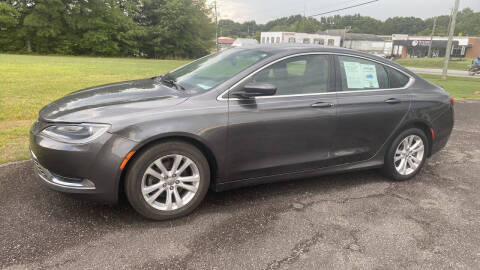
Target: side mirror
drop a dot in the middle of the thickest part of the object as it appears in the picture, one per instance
(256, 90)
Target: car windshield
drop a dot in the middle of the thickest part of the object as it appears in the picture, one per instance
(212, 70)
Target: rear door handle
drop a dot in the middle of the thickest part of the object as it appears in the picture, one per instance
(392, 101)
(322, 105)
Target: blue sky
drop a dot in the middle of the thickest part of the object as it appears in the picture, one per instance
(264, 10)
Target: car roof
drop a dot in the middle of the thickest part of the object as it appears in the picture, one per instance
(294, 48)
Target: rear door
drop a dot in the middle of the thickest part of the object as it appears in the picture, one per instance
(372, 101)
(289, 132)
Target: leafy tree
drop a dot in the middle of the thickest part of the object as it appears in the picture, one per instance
(9, 21)
(170, 28)
(44, 26)
(234, 29)
(177, 28)
(468, 23)
(102, 28)
(403, 25)
(296, 23)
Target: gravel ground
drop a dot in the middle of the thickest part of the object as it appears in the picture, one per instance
(354, 220)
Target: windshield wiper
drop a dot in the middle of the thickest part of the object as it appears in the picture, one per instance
(172, 82)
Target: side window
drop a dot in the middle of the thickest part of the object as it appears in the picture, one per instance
(396, 78)
(297, 75)
(360, 74)
(278, 39)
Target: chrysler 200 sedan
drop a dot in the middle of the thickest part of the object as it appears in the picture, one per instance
(239, 117)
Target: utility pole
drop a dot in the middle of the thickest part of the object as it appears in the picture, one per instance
(450, 39)
(431, 38)
(216, 26)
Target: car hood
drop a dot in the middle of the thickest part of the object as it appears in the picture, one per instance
(105, 103)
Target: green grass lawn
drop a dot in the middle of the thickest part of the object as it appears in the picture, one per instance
(436, 63)
(458, 87)
(27, 83)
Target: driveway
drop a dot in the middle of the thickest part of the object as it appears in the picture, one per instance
(354, 220)
(451, 72)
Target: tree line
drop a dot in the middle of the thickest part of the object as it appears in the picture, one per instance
(468, 23)
(170, 28)
(147, 28)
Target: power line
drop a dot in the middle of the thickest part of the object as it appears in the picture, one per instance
(340, 9)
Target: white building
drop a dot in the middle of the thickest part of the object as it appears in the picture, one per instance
(362, 42)
(302, 38)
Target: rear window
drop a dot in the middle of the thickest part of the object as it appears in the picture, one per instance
(396, 78)
(361, 74)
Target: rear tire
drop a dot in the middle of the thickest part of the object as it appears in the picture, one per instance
(168, 180)
(407, 155)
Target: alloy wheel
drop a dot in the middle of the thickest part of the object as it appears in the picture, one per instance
(170, 182)
(409, 155)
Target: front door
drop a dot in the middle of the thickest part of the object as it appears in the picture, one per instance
(290, 131)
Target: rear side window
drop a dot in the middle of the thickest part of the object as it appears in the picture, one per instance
(396, 78)
(361, 74)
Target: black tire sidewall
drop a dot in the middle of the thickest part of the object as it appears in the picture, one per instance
(389, 168)
(144, 159)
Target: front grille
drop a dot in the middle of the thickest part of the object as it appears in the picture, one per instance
(66, 182)
(42, 172)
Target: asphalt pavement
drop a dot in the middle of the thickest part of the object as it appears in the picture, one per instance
(354, 220)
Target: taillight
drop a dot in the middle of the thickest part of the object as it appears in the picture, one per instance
(452, 102)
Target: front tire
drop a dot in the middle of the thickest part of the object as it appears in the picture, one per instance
(168, 180)
(406, 155)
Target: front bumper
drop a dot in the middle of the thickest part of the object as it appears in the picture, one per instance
(92, 169)
(60, 183)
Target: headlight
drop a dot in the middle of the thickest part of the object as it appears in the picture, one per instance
(73, 133)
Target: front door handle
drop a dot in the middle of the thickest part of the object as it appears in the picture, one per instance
(392, 101)
(322, 105)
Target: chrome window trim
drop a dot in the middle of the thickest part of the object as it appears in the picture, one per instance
(410, 82)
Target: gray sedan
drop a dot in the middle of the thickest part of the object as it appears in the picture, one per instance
(243, 116)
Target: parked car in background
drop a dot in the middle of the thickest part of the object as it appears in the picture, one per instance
(379, 54)
(243, 116)
(240, 42)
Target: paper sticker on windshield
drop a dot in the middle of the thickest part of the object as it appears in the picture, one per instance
(360, 76)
